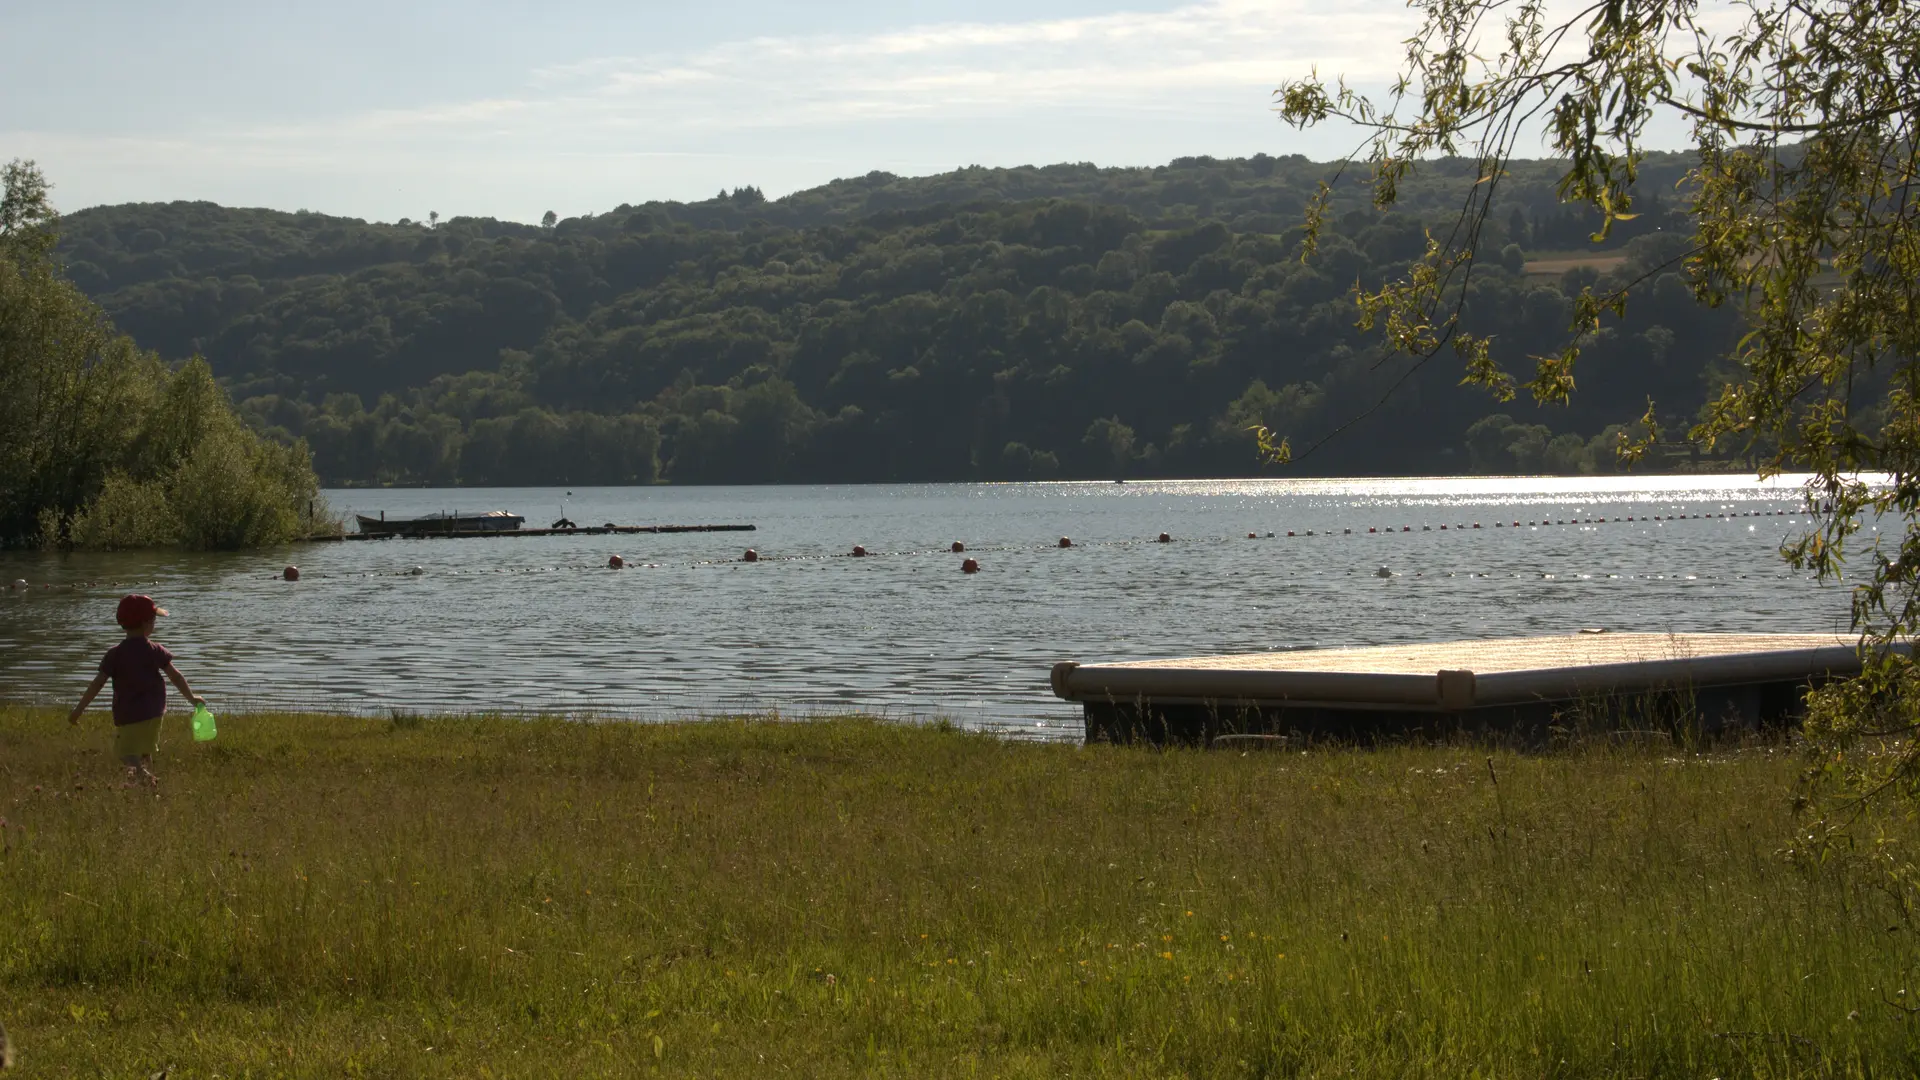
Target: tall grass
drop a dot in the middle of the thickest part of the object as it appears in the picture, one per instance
(316, 895)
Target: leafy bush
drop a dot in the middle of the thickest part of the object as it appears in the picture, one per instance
(127, 513)
(100, 444)
(237, 490)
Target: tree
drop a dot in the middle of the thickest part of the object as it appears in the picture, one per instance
(549, 219)
(1803, 119)
(26, 211)
(1109, 445)
(100, 444)
(1517, 230)
(67, 383)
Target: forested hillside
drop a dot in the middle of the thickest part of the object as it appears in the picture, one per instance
(983, 324)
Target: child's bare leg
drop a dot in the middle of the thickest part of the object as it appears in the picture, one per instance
(140, 769)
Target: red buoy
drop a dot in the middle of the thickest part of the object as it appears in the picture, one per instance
(971, 566)
(615, 562)
(958, 547)
(291, 573)
(750, 556)
(1066, 543)
(1165, 539)
(858, 551)
(1256, 536)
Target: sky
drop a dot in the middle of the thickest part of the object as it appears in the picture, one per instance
(383, 110)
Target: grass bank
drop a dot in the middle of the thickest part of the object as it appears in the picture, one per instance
(319, 895)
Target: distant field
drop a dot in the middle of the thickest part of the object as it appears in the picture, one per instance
(322, 896)
(1555, 263)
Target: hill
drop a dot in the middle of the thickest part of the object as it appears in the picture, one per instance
(980, 324)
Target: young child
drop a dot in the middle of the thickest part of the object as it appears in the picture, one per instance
(139, 694)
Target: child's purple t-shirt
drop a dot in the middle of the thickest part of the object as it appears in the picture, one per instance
(139, 688)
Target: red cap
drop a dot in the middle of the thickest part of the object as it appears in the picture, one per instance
(136, 609)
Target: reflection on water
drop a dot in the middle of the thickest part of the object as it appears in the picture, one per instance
(532, 623)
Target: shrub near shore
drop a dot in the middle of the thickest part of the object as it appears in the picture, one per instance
(105, 446)
(509, 897)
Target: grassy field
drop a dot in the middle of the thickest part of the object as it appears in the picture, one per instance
(320, 896)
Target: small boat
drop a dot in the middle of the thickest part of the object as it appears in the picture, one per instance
(491, 521)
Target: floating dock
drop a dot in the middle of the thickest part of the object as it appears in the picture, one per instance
(583, 530)
(1528, 686)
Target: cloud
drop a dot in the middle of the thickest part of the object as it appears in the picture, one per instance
(782, 112)
(1193, 56)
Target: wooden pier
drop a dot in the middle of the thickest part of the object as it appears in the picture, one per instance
(583, 530)
(1530, 687)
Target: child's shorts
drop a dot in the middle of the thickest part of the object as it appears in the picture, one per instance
(136, 740)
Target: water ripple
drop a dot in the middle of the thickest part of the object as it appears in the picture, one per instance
(530, 624)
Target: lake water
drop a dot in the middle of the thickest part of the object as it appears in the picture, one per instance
(540, 623)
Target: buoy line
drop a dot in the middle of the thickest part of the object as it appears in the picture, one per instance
(20, 585)
(1350, 572)
(293, 574)
(860, 551)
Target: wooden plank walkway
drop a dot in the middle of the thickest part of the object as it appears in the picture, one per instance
(1410, 685)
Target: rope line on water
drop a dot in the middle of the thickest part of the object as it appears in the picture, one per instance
(616, 562)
